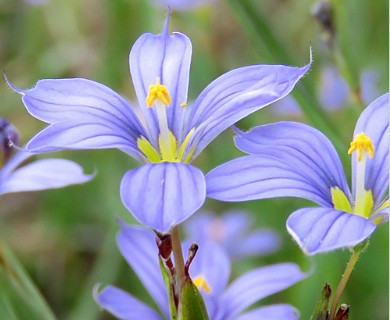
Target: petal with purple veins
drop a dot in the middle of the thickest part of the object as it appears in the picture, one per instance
(237, 94)
(300, 146)
(319, 230)
(167, 57)
(254, 177)
(374, 122)
(71, 104)
(163, 195)
(258, 284)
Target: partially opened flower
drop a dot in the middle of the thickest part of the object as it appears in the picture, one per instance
(163, 133)
(293, 159)
(233, 231)
(210, 271)
(37, 175)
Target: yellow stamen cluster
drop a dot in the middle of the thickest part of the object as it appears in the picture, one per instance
(158, 92)
(362, 143)
(201, 283)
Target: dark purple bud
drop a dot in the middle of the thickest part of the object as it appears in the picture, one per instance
(8, 138)
(322, 10)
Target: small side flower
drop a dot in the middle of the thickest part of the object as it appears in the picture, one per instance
(15, 176)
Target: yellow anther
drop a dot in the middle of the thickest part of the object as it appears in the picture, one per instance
(362, 143)
(158, 92)
(184, 104)
(201, 283)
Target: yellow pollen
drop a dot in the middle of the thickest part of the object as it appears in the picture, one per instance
(158, 92)
(201, 284)
(362, 143)
(184, 104)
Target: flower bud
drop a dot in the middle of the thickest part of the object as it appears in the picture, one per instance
(8, 138)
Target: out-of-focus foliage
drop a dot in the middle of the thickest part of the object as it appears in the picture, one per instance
(65, 238)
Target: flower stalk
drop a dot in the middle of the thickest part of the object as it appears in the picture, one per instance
(179, 260)
(345, 277)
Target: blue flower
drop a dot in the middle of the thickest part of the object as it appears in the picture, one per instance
(288, 159)
(232, 231)
(37, 175)
(163, 133)
(210, 271)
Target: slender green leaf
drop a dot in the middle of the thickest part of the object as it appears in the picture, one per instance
(169, 284)
(18, 293)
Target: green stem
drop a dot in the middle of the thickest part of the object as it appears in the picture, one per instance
(345, 277)
(179, 261)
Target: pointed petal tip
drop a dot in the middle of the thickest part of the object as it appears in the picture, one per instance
(166, 24)
(12, 86)
(96, 290)
(307, 67)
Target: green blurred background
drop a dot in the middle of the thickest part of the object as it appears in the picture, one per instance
(66, 238)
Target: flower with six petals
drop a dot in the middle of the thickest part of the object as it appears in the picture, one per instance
(296, 160)
(163, 132)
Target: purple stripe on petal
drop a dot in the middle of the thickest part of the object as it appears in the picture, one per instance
(237, 94)
(43, 174)
(79, 102)
(89, 133)
(124, 306)
(374, 122)
(54, 100)
(319, 230)
(163, 195)
(254, 177)
(138, 247)
(303, 148)
(273, 312)
(257, 284)
(167, 57)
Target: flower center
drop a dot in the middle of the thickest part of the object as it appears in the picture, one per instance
(202, 284)
(168, 148)
(362, 144)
